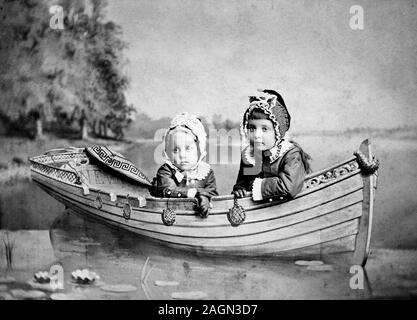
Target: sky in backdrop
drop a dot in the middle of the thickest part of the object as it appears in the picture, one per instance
(206, 57)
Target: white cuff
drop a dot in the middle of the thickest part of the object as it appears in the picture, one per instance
(191, 193)
(179, 176)
(257, 189)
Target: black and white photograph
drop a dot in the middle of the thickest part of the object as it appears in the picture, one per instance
(216, 151)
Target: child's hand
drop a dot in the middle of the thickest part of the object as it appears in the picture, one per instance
(240, 193)
(204, 206)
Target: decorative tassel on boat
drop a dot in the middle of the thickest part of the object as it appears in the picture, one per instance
(168, 217)
(236, 214)
(98, 202)
(367, 166)
(127, 209)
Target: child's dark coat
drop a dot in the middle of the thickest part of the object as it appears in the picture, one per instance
(283, 171)
(170, 183)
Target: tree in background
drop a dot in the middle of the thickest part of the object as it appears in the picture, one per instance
(64, 76)
(219, 123)
(23, 86)
(145, 127)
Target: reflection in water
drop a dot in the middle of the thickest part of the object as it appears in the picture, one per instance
(119, 257)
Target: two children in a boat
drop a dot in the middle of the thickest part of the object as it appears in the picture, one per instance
(271, 166)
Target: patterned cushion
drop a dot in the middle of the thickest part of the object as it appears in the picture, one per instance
(118, 162)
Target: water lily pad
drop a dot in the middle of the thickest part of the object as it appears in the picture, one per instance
(84, 276)
(42, 277)
(40, 286)
(308, 262)
(5, 280)
(191, 295)
(323, 267)
(118, 288)
(161, 283)
(84, 243)
(75, 284)
(28, 294)
(67, 296)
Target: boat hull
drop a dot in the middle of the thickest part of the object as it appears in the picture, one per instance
(332, 215)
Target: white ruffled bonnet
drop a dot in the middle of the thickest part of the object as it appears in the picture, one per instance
(190, 123)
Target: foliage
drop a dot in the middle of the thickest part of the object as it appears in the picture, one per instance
(227, 124)
(67, 76)
(145, 128)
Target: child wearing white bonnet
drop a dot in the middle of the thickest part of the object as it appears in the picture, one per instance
(185, 174)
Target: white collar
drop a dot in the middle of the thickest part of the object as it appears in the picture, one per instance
(199, 173)
(276, 151)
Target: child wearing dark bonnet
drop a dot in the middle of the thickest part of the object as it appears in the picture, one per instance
(271, 165)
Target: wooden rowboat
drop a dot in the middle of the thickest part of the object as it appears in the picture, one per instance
(332, 214)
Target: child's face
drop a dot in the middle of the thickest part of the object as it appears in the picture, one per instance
(261, 134)
(182, 150)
